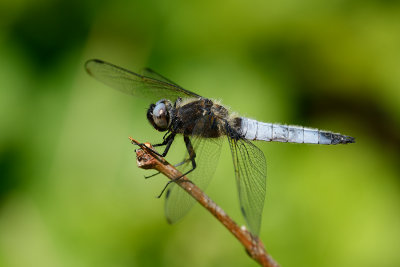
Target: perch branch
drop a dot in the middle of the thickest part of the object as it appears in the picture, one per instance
(147, 159)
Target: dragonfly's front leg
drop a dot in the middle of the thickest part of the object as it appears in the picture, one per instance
(167, 142)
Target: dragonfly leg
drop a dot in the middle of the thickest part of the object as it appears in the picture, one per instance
(167, 142)
(175, 165)
(165, 139)
(192, 156)
(170, 140)
(151, 175)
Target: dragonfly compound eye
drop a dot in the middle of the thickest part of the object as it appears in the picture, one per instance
(160, 116)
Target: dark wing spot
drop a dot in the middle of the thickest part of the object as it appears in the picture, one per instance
(98, 61)
(89, 62)
(167, 193)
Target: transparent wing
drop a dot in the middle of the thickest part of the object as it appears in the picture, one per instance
(177, 201)
(250, 170)
(135, 84)
(152, 74)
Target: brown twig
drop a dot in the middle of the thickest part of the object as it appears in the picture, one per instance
(147, 159)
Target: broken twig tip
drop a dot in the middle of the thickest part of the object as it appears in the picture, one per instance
(144, 160)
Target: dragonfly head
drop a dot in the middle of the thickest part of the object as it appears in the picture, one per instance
(159, 115)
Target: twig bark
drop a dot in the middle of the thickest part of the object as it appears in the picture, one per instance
(147, 159)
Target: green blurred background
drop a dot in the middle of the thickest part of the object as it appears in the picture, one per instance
(70, 191)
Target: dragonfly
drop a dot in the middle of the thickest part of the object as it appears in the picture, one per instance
(204, 124)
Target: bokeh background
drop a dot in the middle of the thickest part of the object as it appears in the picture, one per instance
(70, 191)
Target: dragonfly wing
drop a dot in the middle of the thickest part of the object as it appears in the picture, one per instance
(177, 201)
(135, 84)
(152, 74)
(250, 171)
